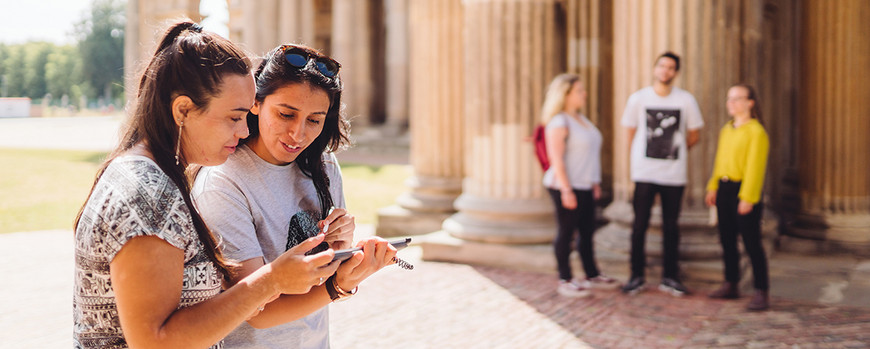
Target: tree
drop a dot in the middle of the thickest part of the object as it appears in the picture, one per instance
(14, 67)
(35, 59)
(63, 71)
(101, 45)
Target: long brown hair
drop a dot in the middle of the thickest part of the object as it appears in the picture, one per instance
(189, 62)
(755, 112)
(274, 73)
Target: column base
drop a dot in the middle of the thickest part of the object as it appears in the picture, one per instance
(441, 246)
(827, 234)
(518, 221)
(431, 194)
(398, 221)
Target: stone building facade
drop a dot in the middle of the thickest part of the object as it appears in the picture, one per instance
(467, 78)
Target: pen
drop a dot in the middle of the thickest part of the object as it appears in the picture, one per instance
(326, 223)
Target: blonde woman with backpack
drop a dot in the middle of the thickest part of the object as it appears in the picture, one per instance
(573, 181)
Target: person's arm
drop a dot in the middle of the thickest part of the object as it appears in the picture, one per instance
(756, 165)
(376, 254)
(555, 138)
(713, 183)
(692, 138)
(147, 274)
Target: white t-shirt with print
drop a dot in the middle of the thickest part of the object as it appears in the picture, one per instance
(659, 152)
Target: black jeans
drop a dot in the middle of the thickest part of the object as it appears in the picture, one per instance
(581, 219)
(732, 223)
(671, 198)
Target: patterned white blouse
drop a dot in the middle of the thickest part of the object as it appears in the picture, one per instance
(132, 198)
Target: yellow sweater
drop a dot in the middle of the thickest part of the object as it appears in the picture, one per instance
(742, 156)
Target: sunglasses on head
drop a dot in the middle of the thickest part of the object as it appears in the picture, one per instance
(299, 57)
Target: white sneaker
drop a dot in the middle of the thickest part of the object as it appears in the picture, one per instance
(602, 282)
(572, 289)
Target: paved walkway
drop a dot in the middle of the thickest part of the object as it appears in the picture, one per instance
(442, 305)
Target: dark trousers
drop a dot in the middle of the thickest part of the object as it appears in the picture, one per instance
(671, 198)
(731, 224)
(581, 219)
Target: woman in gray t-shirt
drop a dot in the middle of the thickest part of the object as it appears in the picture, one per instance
(285, 180)
(573, 181)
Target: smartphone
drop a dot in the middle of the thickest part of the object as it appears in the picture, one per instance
(343, 255)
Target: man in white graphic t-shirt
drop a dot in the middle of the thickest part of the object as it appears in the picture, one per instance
(663, 122)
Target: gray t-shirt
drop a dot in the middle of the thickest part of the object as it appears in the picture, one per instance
(582, 153)
(133, 197)
(249, 203)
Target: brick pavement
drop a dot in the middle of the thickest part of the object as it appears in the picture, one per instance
(442, 305)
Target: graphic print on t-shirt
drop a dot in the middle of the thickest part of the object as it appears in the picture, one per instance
(662, 126)
(304, 226)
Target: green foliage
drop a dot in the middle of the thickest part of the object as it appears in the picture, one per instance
(101, 45)
(14, 68)
(35, 59)
(63, 73)
(94, 67)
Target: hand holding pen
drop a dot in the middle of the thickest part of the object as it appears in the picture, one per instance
(338, 227)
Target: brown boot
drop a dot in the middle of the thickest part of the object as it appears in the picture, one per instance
(759, 301)
(727, 291)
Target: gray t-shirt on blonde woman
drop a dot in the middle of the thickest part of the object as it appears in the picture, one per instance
(582, 153)
(248, 203)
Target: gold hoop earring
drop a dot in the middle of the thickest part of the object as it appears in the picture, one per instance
(178, 144)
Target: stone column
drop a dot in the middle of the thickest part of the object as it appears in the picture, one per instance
(260, 33)
(352, 47)
(397, 49)
(689, 28)
(296, 22)
(147, 21)
(131, 52)
(513, 48)
(834, 150)
(590, 40)
(436, 126)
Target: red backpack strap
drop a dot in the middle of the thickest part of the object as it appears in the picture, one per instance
(541, 147)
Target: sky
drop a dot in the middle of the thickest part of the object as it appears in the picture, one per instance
(52, 20)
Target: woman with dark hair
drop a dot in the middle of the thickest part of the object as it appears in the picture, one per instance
(285, 182)
(735, 190)
(147, 269)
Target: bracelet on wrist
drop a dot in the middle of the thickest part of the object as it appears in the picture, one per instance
(336, 293)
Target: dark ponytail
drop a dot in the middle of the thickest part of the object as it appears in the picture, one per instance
(189, 62)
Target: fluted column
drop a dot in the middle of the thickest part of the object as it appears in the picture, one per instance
(436, 125)
(834, 103)
(642, 31)
(352, 45)
(397, 48)
(146, 23)
(512, 50)
(589, 53)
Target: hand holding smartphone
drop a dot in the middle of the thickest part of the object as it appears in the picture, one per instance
(343, 255)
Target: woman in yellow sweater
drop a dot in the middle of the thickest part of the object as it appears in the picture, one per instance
(735, 189)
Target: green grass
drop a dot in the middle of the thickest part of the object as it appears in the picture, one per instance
(369, 188)
(44, 189)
